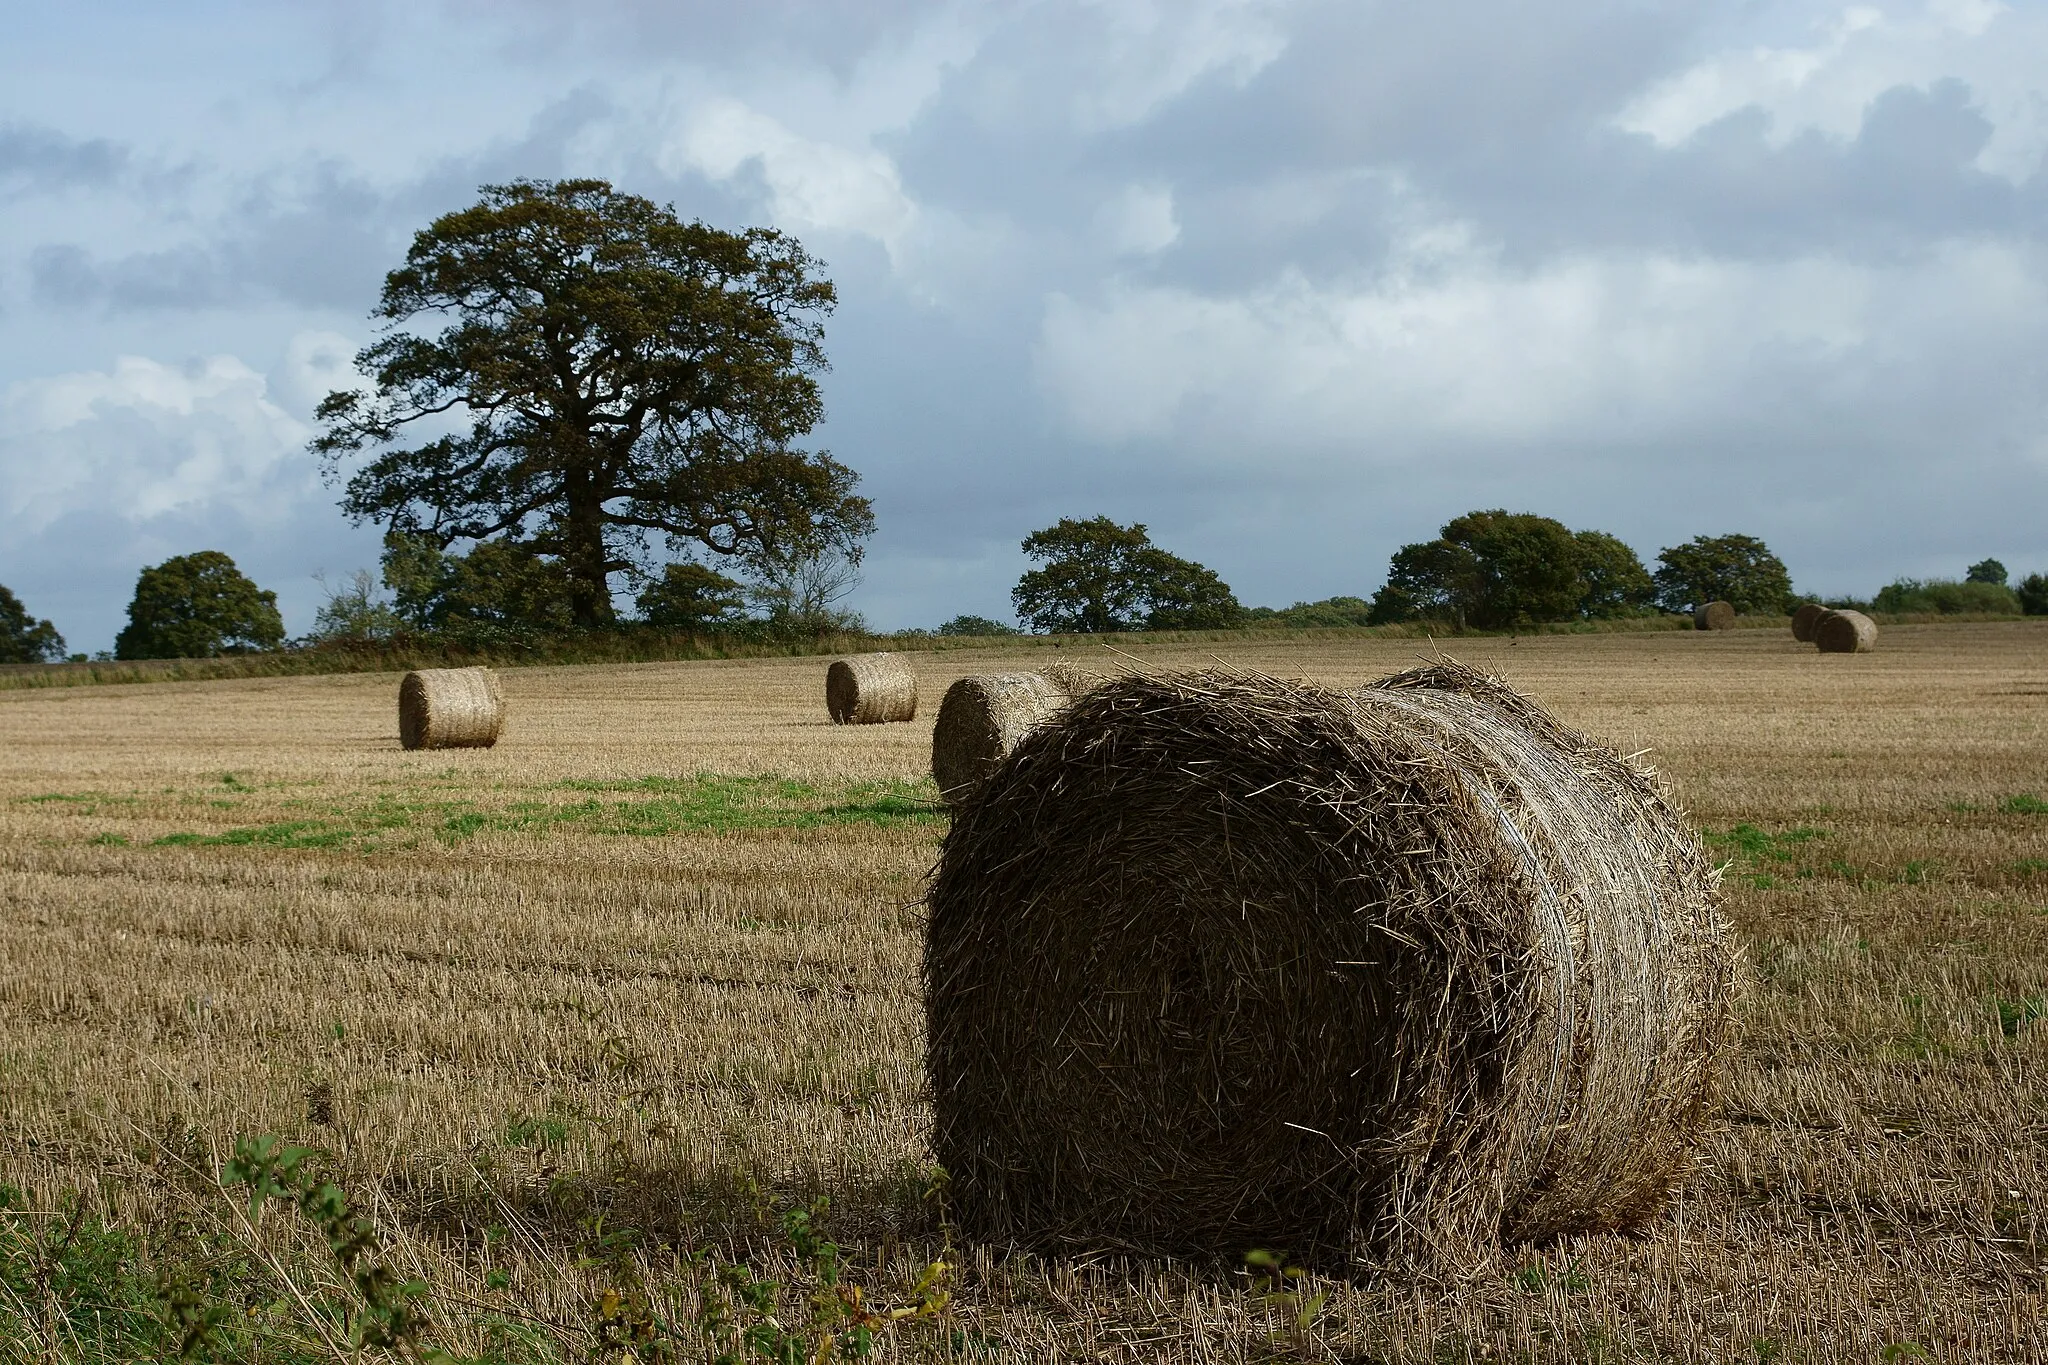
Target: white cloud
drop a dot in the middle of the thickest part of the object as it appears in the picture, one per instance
(1450, 348)
(1857, 54)
(1139, 221)
(812, 184)
(145, 439)
(1144, 53)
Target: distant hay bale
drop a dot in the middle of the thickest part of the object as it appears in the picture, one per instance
(1845, 632)
(1804, 620)
(868, 689)
(1218, 961)
(450, 708)
(1714, 616)
(1070, 677)
(981, 719)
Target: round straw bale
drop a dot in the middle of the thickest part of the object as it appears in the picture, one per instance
(1071, 678)
(982, 718)
(1218, 961)
(1714, 616)
(868, 689)
(1845, 632)
(1803, 621)
(450, 708)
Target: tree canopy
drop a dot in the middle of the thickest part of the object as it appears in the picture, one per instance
(1497, 569)
(196, 606)
(2033, 594)
(1097, 576)
(502, 589)
(1986, 571)
(606, 373)
(23, 639)
(1738, 570)
(691, 597)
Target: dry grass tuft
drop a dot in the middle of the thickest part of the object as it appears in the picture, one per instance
(869, 689)
(1410, 969)
(450, 708)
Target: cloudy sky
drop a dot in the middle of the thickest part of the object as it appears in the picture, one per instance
(1292, 283)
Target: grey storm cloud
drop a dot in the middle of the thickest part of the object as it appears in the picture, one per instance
(1290, 282)
(34, 158)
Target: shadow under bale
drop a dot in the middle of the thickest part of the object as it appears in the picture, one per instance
(1219, 961)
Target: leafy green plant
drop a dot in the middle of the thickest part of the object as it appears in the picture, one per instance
(388, 1315)
(1279, 1284)
(740, 1317)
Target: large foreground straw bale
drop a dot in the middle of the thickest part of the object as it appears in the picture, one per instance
(1804, 620)
(982, 719)
(1714, 616)
(1220, 961)
(1845, 632)
(450, 708)
(868, 689)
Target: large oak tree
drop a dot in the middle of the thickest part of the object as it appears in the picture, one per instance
(602, 371)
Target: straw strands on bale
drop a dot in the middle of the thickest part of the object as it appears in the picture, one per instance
(982, 719)
(1804, 620)
(868, 689)
(1071, 678)
(1845, 632)
(1218, 961)
(1714, 616)
(450, 708)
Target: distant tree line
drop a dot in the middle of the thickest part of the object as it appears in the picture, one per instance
(1490, 570)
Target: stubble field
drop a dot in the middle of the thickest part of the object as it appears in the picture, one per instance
(580, 1020)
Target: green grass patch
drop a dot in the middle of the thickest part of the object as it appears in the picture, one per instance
(647, 807)
(1762, 853)
(2014, 1015)
(2023, 804)
(290, 834)
(710, 803)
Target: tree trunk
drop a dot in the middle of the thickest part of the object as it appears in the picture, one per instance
(583, 554)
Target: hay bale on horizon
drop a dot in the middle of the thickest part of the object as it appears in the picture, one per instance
(1714, 616)
(1218, 961)
(1845, 632)
(450, 708)
(982, 718)
(870, 689)
(1804, 620)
